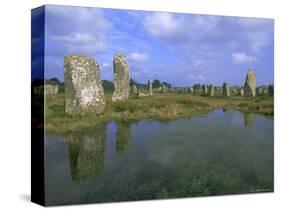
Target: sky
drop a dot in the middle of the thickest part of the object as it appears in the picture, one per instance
(182, 49)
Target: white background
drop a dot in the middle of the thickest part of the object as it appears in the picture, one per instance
(15, 104)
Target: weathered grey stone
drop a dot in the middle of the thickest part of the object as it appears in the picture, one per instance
(204, 89)
(83, 87)
(141, 94)
(51, 89)
(164, 88)
(121, 78)
(150, 87)
(211, 90)
(46, 89)
(270, 90)
(134, 89)
(226, 89)
(250, 83)
(190, 90)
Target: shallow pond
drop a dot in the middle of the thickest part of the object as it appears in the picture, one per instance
(223, 152)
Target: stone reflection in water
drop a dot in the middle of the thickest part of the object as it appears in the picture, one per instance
(86, 152)
(249, 119)
(123, 137)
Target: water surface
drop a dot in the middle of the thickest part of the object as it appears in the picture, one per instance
(223, 152)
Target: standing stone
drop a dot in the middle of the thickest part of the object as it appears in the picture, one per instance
(190, 90)
(51, 90)
(270, 90)
(163, 88)
(204, 89)
(121, 78)
(83, 87)
(134, 89)
(250, 83)
(226, 89)
(150, 87)
(241, 91)
(211, 90)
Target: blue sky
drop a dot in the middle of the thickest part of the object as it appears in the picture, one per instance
(181, 49)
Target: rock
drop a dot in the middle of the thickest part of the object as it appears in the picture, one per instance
(141, 94)
(270, 90)
(250, 83)
(226, 89)
(150, 87)
(121, 78)
(51, 89)
(134, 89)
(164, 88)
(83, 87)
(204, 89)
(211, 90)
(190, 90)
(46, 89)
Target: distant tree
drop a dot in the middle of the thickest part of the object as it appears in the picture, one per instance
(53, 81)
(108, 86)
(167, 84)
(156, 83)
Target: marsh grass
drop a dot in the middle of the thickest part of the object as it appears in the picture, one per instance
(160, 106)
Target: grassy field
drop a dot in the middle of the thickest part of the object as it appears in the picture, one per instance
(160, 106)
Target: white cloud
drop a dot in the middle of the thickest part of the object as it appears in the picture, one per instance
(105, 64)
(74, 29)
(196, 77)
(137, 57)
(241, 57)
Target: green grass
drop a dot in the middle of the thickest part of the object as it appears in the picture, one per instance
(160, 106)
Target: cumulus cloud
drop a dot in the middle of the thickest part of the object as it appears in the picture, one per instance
(137, 57)
(82, 30)
(241, 57)
(178, 28)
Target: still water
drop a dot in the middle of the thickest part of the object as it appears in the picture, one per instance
(223, 152)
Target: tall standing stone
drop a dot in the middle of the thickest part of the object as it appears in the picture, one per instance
(205, 89)
(163, 88)
(150, 87)
(121, 78)
(211, 90)
(226, 89)
(83, 87)
(250, 83)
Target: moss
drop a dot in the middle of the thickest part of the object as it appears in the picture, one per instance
(162, 106)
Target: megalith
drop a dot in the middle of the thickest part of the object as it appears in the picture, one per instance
(250, 84)
(121, 78)
(150, 87)
(226, 89)
(211, 90)
(83, 87)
